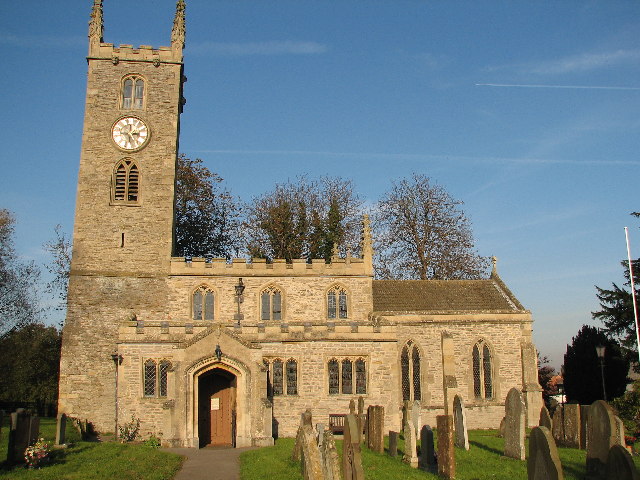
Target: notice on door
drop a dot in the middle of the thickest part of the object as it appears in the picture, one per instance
(215, 404)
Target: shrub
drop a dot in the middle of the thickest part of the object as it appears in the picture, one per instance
(130, 430)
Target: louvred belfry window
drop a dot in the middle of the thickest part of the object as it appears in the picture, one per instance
(126, 182)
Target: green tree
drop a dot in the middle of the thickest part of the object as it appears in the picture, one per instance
(304, 219)
(60, 251)
(30, 362)
(18, 282)
(422, 233)
(207, 217)
(582, 373)
(545, 374)
(628, 408)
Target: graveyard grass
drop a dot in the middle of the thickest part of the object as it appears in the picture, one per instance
(93, 460)
(484, 461)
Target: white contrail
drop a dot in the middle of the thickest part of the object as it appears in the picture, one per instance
(582, 87)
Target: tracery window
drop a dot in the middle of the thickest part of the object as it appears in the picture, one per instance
(133, 93)
(203, 304)
(271, 304)
(282, 378)
(410, 371)
(155, 381)
(482, 370)
(126, 182)
(337, 303)
(340, 374)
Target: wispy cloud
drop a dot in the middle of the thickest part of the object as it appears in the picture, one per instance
(30, 41)
(585, 87)
(585, 62)
(257, 48)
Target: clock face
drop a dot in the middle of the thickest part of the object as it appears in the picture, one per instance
(130, 133)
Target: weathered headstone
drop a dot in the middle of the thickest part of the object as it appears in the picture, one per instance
(620, 465)
(311, 461)
(601, 433)
(503, 425)
(543, 462)
(557, 424)
(352, 407)
(361, 422)
(514, 425)
(61, 426)
(427, 452)
(375, 428)
(410, 444)
(446, 452)
(460, 422)
(351, 457)
(584, 415)
(393, 443)
(296, 455)
(307, 418)
(320, 433)
(567, 425)
(23, 431)
(330, 458)
(619, 431)
(545, 419)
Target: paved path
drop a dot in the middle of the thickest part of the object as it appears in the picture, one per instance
(209, 463)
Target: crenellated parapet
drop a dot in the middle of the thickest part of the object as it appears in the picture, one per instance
(349, 266)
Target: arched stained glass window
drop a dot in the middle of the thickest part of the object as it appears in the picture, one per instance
(334, 377)
(271, 304)
(347, 376)
(337, 304)
(486, 363)
(361, 377)
(404, 367)
(203, 304)
(477, 389)
(417, 394)
(278, 378)
(482, 370)
(292, 377)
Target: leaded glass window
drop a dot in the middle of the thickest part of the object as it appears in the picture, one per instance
(417, 394)
(404, 367)
(361, 377)
(337, 303)
(334, 377)
(133, 93)
(278, 380)
(347, 376)
(482, 370)
(208, 305)
(149, 378)
(486, 363)
(197, 305)
(203, 304)
(162, 384)
(292, 377)
(331, 304)
(477, 389)
(271, 304)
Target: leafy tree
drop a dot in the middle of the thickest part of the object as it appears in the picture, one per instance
(30, 362)
(628, 408)
(60, 250)
(422, 233)
(582, 375)
(18, 282)
(545, 376)
(304, 219)
(207, 217)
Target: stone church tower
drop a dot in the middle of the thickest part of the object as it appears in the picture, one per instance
(214, 351)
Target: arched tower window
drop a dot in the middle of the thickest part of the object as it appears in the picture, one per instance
(271, 304)
(337, 303)
(203, 304)
(133, 93)
(126, 182)
(410, 372)
(482, 370)
(292, 377)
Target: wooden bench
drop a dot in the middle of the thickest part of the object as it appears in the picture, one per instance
(336, 422)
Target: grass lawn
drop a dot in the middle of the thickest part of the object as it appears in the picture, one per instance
(93, 461)
(483, 461)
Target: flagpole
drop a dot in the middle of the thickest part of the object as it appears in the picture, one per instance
(633, 292)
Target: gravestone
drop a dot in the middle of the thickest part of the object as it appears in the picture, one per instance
(410, 444)
(307, 418)
(23, 431)
(352, 407)
(361, 419)
(545, 419)
(446, 452)
(427, 452)
(351, 456)
(514, 425)
(567, 425)
(620, 465)
(320, 434)
(557, 423)
(460, 422)
(375, 428)
(61, 426)
(584, 415)
(311, 461)
(503, 424)
(601, 433)
(619, 431)
(330, 458)
(543, 462)
(393, 443)
(296, 455)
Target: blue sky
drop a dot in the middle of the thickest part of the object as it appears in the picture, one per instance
(526, 111)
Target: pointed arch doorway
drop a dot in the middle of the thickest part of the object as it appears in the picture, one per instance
(217, 408)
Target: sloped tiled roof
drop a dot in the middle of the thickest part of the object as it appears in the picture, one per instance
(487, 295)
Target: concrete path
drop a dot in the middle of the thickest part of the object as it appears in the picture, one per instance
(209, 463)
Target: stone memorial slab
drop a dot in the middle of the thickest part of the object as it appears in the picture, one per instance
(557, 424)
(601, 436)
(351, 456)
(620, 465)
(296, 455)
(352, 407)
(571, 423)
(330, 458)
(361, 419)
(427, 450)
(584, 415)
(375, 428)
(446, 452)
(543, 462)
(320, 433)
(514, 425)
(410, 444)
(460, 423)
(619, 431)
(61, 427)
(311, 461)
(545, 419)
(503, 425)
(393, 443)
(307, 418)
(21, 434)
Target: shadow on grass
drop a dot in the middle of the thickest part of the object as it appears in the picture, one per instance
(485, 447)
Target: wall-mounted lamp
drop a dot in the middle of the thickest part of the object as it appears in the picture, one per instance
(239, 299)
(218, 352)
(600, 350)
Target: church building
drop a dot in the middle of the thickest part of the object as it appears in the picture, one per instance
(208, 351)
